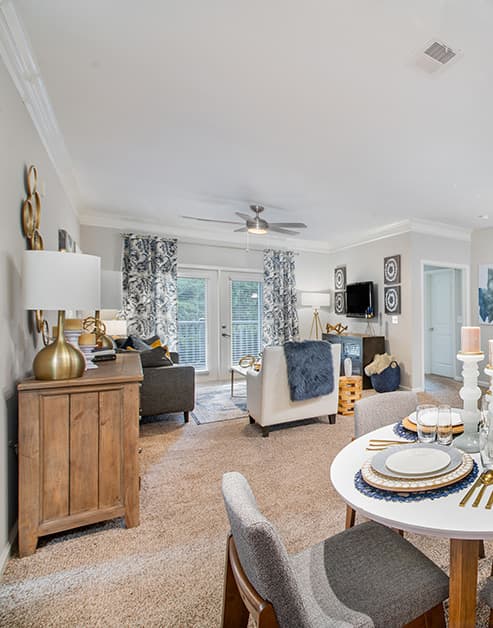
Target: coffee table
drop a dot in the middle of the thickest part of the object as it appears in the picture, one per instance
(442, 517)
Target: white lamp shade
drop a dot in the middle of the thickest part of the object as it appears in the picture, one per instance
(111, 290)
(52, 280)
(315, 299)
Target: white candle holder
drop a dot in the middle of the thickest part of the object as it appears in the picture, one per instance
(470, 393)
(489, 394)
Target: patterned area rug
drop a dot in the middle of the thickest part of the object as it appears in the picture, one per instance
(214, 403)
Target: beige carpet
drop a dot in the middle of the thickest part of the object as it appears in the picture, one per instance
(169, 570)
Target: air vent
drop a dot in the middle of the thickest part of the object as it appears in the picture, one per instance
(439, 52)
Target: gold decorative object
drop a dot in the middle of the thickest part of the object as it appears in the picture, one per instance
(94, 325)
(31, 217)
(246, 361)
(339, 328)
(59, 360)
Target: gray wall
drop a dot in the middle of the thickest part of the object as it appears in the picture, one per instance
(312, 273)
(21, 147)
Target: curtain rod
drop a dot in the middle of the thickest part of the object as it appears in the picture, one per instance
(221, 246)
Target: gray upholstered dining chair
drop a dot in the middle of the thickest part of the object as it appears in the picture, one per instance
(368, 576)
(376, 411)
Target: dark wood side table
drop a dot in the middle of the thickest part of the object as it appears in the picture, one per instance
(360, 348)
(78, 460)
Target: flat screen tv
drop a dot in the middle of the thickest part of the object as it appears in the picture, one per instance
(359, 300)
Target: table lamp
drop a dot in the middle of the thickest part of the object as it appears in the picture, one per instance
(315, 300)
(53, 280)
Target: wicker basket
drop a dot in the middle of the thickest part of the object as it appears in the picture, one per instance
(388, 380)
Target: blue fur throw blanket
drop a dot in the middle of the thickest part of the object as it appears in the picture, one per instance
(310, 372)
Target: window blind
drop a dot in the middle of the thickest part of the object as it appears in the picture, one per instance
(192, 321)
(246, 318)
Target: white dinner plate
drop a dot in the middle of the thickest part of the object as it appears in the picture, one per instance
(455, 415)
(417, 461)
(378, 461)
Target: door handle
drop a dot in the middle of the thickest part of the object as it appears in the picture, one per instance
(431, 329)
(226, 335)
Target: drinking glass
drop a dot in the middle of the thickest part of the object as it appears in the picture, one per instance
(444, 424)
(426, 422)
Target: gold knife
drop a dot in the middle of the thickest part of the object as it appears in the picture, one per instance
(467, 496)
(475, 503)
(490, 502)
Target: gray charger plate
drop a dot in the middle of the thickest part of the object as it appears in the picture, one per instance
(378, 461)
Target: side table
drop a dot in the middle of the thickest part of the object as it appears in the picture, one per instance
(349, 392)
(239, 370)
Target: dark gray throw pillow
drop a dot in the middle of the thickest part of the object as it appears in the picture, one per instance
(155, 357)
(134, 342)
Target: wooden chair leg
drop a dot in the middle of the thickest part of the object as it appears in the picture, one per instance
(350, 517)
(186, 416)
(235, 613)
(434, 618)
(265, 431)
(482, 553)
(332, 419)
(251, 419)
(490, 624)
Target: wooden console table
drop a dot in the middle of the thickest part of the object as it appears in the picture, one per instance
(78, 461)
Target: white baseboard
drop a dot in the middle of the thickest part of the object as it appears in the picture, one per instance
(5, 553)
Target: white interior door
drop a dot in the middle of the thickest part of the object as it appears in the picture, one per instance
(442, 322)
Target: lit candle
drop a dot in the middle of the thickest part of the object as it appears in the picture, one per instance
(490, 352)
(470, 340)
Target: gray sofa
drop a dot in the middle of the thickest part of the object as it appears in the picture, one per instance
(168, 389)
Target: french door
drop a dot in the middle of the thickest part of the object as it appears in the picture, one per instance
(219, 319)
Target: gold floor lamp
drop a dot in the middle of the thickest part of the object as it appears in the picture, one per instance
(315, 300)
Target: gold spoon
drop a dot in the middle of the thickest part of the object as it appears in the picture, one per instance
(486, 480)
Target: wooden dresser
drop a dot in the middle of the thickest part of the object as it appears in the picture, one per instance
(78, 460)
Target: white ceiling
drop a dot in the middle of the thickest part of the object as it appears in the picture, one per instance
(317, 109)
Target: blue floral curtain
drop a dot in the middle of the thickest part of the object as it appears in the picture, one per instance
(280, 317)
(149, 286)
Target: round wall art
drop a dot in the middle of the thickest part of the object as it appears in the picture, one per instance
(392, 270)
(339, 303)
(392, 298)
(340, 278)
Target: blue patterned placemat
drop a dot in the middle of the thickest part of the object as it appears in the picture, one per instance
(400, 430)
(436, 493)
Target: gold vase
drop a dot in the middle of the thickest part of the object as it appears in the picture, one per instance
(60, 359)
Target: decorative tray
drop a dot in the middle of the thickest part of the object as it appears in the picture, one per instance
(408, 485)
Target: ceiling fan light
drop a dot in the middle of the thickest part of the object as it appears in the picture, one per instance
(257, 230)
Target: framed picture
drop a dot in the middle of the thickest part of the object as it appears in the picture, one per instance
(340, 278)
(339, 302)
(392, 299)
(485, 294)
(392, 270)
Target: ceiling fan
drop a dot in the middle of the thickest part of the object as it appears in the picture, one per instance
(255, 224)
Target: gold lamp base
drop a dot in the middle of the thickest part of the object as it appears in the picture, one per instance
(60, 359)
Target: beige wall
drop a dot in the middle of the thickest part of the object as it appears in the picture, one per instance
(481, 253)
(312, 274)
(365, 263)
(21, 147)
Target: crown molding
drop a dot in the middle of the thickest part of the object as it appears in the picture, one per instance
(19, 59)
(199, 236)
(424, 227)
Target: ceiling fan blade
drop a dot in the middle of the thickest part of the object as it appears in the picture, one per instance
(296, 225)
(280, 230)
(226, 222)
(245, 216)
(242, 230)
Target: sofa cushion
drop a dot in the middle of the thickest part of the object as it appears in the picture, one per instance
(155, 357)
(135, 343)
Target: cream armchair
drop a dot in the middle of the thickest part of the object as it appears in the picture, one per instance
(268, 398)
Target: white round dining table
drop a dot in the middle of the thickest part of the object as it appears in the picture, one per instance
(442, 517)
